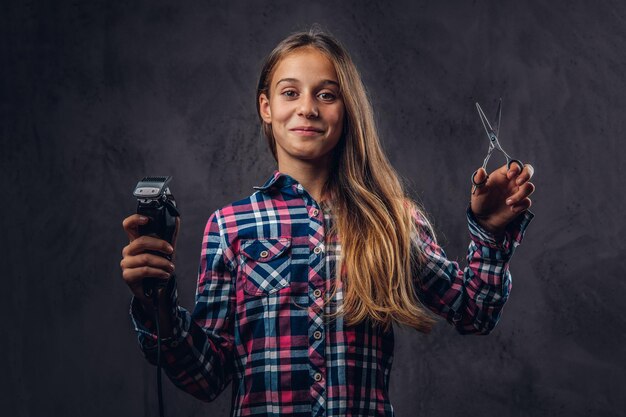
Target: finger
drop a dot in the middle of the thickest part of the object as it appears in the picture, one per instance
(522, 205)
(513, 171)
(131, 225)
(524, 191)
(526, 174)
(479, 177)
(131, 275)
(147, 259)
(145, 243)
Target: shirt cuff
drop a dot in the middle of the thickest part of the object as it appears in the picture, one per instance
(513, 233)
(146, 327)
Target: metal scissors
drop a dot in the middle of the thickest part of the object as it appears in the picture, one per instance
(492, 134)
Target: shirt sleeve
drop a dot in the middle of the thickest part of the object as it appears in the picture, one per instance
(198, 357)
(471, 299)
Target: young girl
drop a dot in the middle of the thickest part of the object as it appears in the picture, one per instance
(299, 283)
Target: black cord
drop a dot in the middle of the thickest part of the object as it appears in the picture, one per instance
(155, 303)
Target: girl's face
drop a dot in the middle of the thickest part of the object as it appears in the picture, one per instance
(304, 107)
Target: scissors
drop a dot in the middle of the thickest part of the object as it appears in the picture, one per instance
(493, 144)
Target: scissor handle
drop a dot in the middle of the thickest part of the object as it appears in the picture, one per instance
(519, 163)
(478, 184)
(516, 161)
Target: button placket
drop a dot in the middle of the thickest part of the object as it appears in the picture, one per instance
(317, 280)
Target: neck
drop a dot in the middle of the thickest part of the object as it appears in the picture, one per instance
(312, 175)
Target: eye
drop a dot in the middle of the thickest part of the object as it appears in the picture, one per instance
(289, 93)
(327, 96)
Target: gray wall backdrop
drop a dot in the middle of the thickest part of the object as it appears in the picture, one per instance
(95, 95)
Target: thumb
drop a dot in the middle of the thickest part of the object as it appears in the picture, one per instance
(479, 177)
(176, 230)
(175, 237)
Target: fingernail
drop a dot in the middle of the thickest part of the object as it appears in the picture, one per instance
(170, 249)
(143, 219)
(172, 267)
(509, 201)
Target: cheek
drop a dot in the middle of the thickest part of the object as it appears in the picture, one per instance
(280, 113)
(338, 119)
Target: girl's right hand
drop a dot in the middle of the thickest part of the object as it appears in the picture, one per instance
(136, 264)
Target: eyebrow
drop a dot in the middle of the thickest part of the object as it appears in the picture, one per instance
(294, 80)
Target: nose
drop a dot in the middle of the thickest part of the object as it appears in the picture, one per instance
(308, 106)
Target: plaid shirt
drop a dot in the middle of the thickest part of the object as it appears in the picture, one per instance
(258, 321)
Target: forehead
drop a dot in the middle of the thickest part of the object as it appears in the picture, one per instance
(305, 64)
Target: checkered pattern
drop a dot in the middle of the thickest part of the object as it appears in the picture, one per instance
(260, 321)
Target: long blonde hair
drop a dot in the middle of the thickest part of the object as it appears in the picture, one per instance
(374, 217)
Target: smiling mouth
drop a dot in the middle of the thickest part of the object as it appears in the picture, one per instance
(306, 131)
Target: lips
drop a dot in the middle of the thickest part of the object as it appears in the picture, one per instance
(307, 129)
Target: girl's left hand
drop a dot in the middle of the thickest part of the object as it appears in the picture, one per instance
(503, 197)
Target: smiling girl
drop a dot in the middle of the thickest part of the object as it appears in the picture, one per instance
(301, 282)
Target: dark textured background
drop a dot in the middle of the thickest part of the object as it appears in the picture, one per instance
(96, 95)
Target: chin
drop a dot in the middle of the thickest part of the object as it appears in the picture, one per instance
(307, 155)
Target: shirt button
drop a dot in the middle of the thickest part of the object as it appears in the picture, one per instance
(317, 250)
(317, 293)
(264, 254)
(315, 212)
(317, 377)
(317, 335)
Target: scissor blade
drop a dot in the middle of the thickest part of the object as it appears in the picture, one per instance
(486, 124)
(498, 117)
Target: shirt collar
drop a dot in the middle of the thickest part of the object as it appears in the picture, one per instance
(287, 184)
(278, 180)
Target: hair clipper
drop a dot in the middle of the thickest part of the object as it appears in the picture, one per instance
(156, 202)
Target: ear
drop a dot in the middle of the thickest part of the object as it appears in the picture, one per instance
(264, 108)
